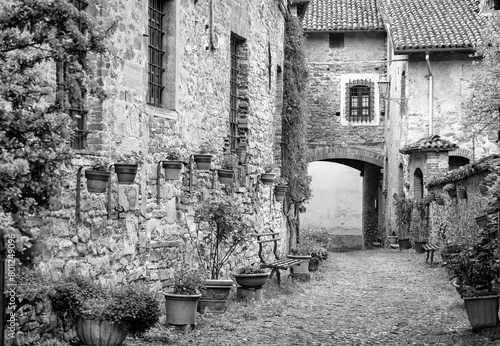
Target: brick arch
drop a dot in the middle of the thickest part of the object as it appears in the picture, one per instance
(462, 152)
(325, 153)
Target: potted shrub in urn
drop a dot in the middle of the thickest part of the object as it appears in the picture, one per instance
(173, 165)
(475, 271)
(104, 315)
(403, 209)
(228, 164)
(222, 225)
(181, 301)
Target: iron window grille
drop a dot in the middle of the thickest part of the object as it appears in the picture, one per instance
(360, 101)
(73, 104)
(156, 53)
(233, 95)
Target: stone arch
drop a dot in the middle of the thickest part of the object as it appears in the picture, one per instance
(325, 153)
(462, 152)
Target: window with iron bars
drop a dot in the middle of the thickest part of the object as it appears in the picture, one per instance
(360, 101)
(233, 94)
(156, 53)
(73, 104)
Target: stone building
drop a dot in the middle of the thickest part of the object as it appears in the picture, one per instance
(178, 74)
(425, 51)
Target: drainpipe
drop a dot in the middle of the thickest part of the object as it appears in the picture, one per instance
(430, 92)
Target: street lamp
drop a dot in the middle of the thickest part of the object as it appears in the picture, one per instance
(384, 89)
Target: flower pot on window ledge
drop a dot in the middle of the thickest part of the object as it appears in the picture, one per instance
(97, 181)
(173, 169)
(125, 172)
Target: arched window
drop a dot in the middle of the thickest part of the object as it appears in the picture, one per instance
(418, 184)
(457, 161)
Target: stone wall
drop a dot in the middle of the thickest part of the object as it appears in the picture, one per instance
(145, 236)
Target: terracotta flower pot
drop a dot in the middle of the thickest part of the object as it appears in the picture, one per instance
(251, 280)
(404, 244)
(393, 239)
(481, 220)
(440, 200)
(462, 193)
(97, 181)
(100, 333)
(226, 176)
(203, 161)
(214, 296)
(418, 246)
(181, 309)
(280, 192)
(173, 169)
(125, 172)
(482, 311)
(303, 267)
(267, 178)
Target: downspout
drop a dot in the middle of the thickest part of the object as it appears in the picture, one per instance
(430, 92)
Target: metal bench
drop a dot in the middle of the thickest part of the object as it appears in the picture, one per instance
(429, 249)
(278, 264)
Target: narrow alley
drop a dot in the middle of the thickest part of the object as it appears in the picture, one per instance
(377, 297)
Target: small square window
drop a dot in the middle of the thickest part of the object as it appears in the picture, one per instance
(336, 40)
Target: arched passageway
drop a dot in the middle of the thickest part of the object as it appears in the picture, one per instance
(327, 165)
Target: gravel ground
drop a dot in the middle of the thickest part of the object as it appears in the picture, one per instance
(375, 297)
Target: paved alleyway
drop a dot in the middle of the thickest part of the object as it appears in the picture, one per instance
(377, 297)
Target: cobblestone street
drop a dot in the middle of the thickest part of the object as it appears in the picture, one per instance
(379, 297)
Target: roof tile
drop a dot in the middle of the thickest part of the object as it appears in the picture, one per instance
(432, 143)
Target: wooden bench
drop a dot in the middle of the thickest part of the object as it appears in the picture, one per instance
(429, 249)
(278, 264)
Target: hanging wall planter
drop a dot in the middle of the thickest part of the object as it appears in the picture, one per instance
(280, 192)
(125, 172)
(267, 178)
(430, 197)
(203, 161)
(97, 180)
(481, 220)
(440, 200)
(462, 193)
(226, 176)
(173, 169)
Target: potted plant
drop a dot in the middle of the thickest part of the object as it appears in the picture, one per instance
(173, 165)
(302, 251)
(181, 301)
(280, 188)
(403, 209)
(203, 159)
(251, 277)
(222, 225)
(393, 238)
(97, 178)
(430, 197)
(475, 271)
(228, 164)
(451, 189)
(268, 177)
(104, 315)
(481, 220)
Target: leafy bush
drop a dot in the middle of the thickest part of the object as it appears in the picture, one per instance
(130, 304)
(228, 161)
(188, 282)
(32, 285)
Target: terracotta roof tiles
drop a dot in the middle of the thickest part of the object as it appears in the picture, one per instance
(342, 15)
(432, 143)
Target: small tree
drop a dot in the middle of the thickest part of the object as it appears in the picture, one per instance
(35, 131)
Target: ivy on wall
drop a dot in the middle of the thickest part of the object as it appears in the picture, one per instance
(294, 148)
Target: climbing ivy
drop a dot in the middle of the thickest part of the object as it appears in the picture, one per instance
(294, 165)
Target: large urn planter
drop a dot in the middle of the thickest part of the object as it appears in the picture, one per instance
(203, 161)
(267, 178)
(419, 246)
(280, 192)
(482, 311)
(251, 281)
(404, 244)
(303, 267)
(226, 176)
(215, 295)
(100, 333)
(181, 309)
(125, 172)
(97, 181)
(173, 169)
